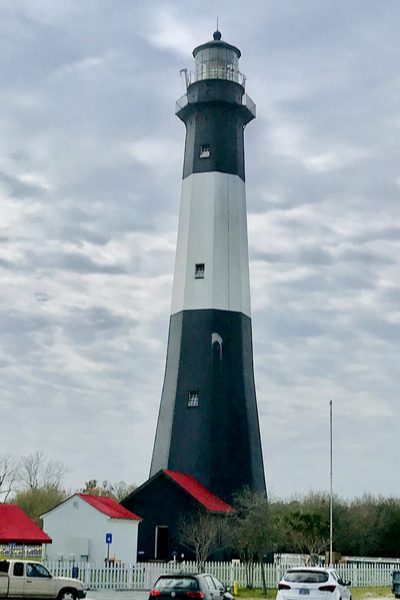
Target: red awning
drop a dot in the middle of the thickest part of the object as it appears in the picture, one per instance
(16, 527)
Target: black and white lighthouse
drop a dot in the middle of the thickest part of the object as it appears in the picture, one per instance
(208, 422)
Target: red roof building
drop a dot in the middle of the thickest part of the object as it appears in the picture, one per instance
(17, 528)
(163, 502)
(109, 507)
(92, 528)
(200, 493)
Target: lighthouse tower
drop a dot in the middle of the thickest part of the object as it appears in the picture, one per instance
(208, 421)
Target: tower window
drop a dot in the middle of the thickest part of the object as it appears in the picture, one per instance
(199, 271)
(193, 399)
(205, 151)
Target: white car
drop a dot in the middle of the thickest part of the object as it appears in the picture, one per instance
(313, 583)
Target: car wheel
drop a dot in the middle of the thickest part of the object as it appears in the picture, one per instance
(67, 595)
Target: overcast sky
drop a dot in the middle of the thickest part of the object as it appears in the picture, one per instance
(90, 176)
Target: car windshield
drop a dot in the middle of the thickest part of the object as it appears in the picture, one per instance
(306, 576)
(177, 583)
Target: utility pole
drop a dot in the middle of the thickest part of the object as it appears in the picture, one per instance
(331, 496)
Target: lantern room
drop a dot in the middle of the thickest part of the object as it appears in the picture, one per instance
(217, 60)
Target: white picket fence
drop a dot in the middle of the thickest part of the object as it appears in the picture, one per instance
(142, 576)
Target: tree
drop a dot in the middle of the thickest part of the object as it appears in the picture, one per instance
(36, 502)
(37, 472)
(308, 532)
(94, 489)
(39, 482)
(9, 471)
(202, 533)
(252, 532)
(305, 524)
(117, 491)
(121, 490)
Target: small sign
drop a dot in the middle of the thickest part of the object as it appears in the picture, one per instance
(108, 538)
(75, 572)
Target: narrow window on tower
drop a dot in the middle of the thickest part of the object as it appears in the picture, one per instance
(193, 399)
(205, 151)
(199, 271)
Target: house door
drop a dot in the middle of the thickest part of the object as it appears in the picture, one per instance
(161, 552)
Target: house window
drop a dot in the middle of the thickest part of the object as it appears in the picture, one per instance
(193, 399)
(199, 271)
(205, 151)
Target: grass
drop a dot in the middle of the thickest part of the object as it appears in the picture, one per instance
(244, 592)
(363, 593)
(359, 593)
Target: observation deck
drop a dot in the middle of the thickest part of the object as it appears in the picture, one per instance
(215, 60)
(246, 102)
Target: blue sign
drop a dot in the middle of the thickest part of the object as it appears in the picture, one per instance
(108, 538)
(75, 572)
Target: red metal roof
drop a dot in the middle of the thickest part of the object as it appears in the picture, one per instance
(16, 527)
(199, 492)
(109, 507)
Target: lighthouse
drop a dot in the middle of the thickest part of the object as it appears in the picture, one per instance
(208, 420)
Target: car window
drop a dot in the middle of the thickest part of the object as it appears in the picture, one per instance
(18, 570)
(36, 570)
(218, 584)
(306, 576)
(177, 583)
(4, 565)
(209, 581)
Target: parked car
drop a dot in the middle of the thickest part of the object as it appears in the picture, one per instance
(201, 585)
(24, 579)
(396, 584)
(313, 583)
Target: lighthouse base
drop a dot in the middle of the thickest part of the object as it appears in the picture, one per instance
(208, 422)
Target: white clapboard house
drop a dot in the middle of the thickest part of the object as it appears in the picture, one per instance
(93, 529)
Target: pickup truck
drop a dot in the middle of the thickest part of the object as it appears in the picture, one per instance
(28, 580)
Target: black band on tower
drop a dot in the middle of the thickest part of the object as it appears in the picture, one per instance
(209, 385)
(215, 119)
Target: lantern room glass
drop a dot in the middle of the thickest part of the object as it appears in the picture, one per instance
(216, 63)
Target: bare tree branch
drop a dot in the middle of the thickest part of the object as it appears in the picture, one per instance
(36, 472)
(203, 534)
(9, 473)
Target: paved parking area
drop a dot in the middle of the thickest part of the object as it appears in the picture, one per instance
(132, 595)
(116, 595)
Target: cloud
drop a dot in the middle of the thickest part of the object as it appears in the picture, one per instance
(90, 174)
(170, 31)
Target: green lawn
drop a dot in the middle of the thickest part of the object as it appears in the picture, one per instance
(362, 593)
(359, 593)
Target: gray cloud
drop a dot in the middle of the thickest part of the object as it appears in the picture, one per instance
(19, 189)
(90, 174)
